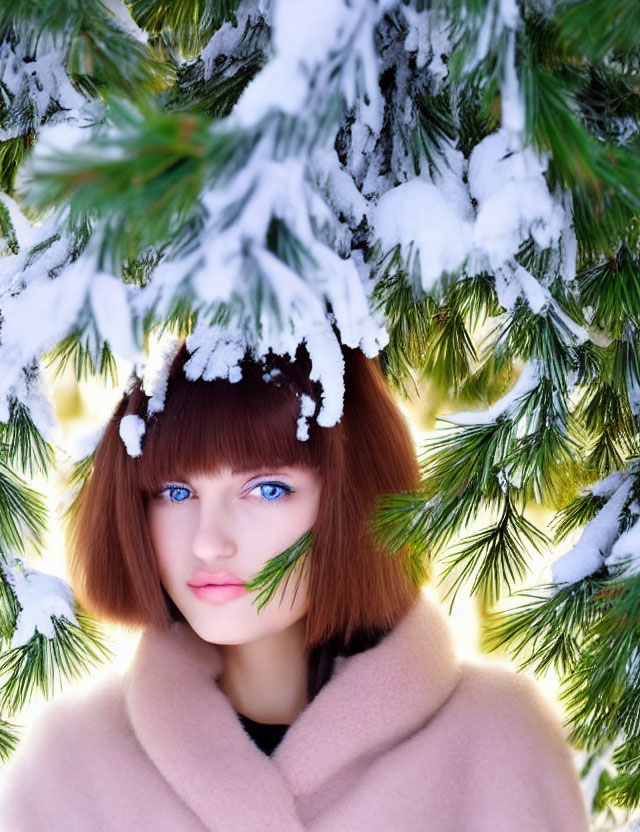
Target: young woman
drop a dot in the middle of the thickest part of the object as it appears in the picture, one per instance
(340, 705)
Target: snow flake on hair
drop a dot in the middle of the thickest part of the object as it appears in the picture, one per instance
(132, 429)
(216, 352)
(271, 374)
(307, 409)
(156, 375)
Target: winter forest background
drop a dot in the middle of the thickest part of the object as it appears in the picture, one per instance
(451, 184)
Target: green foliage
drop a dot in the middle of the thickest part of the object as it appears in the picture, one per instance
(280, 568)
(496, 555)
(22, 511)
(604, 179)
(192, 22)
(608, 421)
(215, 95)
(101, 56)
(8, 606)
(611, 288)
(409, 321)
(599, 27)
(25, 447)
(42, 662)
(434, 124)
(548, 632)
(8, 739)
(602, 692)
(143, 182)
(576, 514)
(75, 483)
(75, 352)
(7, 230)
(12, 152)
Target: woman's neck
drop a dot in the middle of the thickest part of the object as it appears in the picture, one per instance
(266, 679)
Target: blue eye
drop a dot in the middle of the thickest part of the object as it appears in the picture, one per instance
(176, 493)
(270, 493)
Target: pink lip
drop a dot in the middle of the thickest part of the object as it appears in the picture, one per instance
(219, 594)
(202, 578)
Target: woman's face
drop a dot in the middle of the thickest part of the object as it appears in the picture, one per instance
(204, 526)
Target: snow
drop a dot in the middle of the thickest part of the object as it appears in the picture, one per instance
(513, 199)
(132, 429)
(328, 368)
(418, 213)
(41, 598)
(310, 41)
(513, 281)
(417, 39)
(607, 486)
(44, 82)
(498, 15)
(511, 100)
(155, 379)
(271, 374)
(233, 263)
(61, 139)
(83, 445)
(112, 313)
(21, 340)
(337, 186)
(122, 18)
(513, 203)
(228, 37)
(307, 409)
(215, 353)
(626, 548)
(596, 541)
(528, 380)
(569, 246)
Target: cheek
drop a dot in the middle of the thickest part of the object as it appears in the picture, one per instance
(165, 538)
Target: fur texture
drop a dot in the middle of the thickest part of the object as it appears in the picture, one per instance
(404, 737)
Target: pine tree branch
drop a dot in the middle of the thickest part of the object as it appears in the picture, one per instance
(279, 568)
(101, 55)
(9, 739)
(21, 509)
(576, 514)
(192, 22)
(25, 447)
(549, 630)
(74, 350)
(495, 555)
(43, 661)
(143, 183)
(598, 27)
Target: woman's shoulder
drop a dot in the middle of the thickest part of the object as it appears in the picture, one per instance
(503, 734)
(490, 694)
(510, 722)
(491, 690)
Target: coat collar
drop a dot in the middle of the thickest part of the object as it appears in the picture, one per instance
(190, 731)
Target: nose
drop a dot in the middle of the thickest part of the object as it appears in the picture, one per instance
(213, 536)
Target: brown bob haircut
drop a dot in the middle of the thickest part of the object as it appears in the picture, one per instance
(354, 587)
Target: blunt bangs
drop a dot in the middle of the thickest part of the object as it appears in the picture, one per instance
(245, 425)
